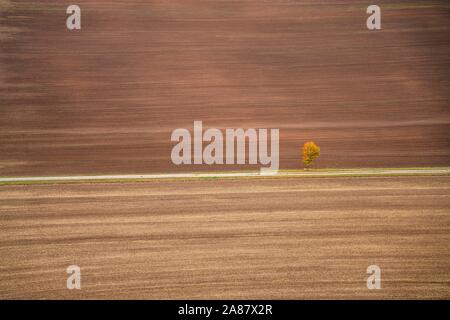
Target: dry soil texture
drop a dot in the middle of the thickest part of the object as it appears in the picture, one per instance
(245, 238)
(106, 99)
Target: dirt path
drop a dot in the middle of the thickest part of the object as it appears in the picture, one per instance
(281, 174)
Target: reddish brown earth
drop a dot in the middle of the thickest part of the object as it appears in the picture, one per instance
(105, 99)
(244, 238)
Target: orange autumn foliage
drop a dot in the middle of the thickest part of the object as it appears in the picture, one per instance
(311, 151)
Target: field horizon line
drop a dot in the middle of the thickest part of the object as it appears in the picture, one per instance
(288, 173)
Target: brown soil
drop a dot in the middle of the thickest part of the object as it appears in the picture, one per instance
(253, 239)
(105, 99)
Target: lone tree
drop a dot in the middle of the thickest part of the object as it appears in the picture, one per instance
(311, 151)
